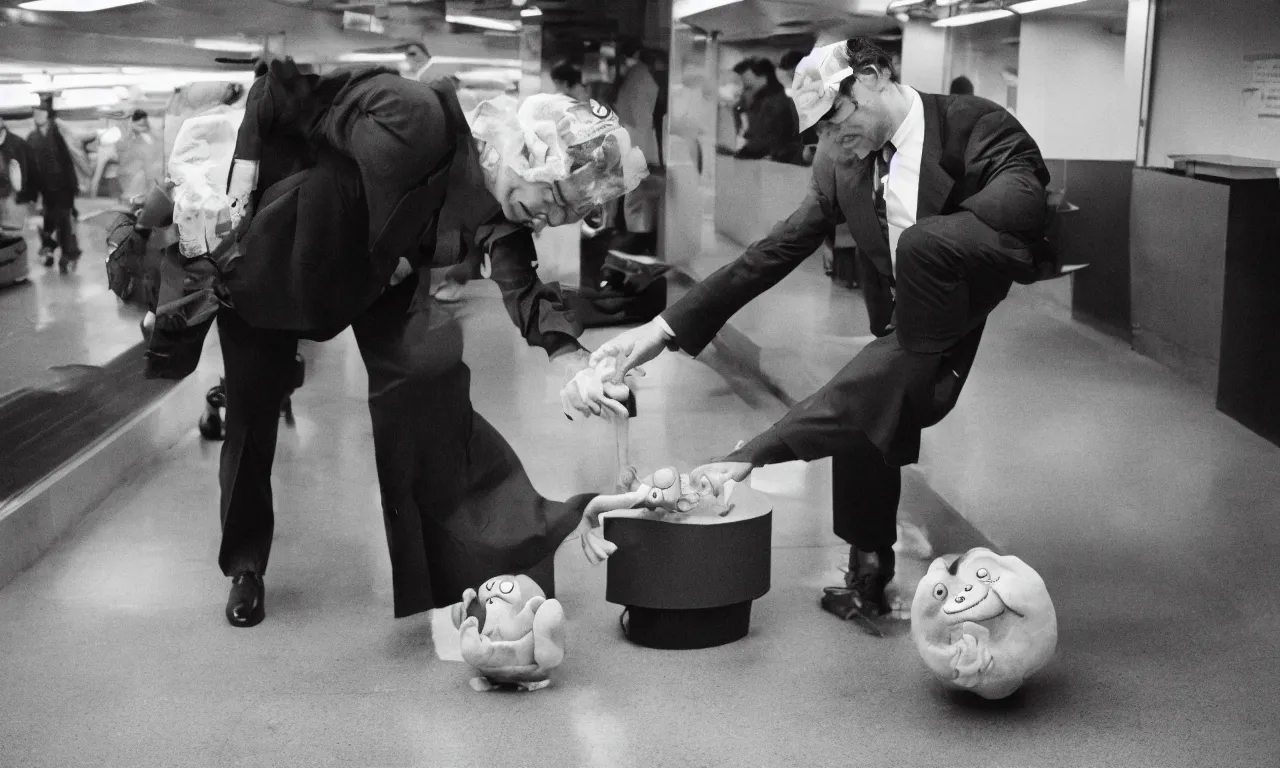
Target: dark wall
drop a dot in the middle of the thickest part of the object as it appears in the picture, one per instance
(1098, 234)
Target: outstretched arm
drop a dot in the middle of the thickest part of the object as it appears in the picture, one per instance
(698, 317)
(539, 310)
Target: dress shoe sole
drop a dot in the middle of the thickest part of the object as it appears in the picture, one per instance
(836, 602)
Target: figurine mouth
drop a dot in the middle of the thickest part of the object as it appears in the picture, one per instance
(993, 608)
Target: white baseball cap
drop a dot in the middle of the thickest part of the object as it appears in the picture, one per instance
(818, 78)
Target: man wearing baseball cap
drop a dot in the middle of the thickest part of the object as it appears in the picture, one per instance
(945, 196)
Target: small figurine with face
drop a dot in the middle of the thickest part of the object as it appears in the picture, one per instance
(984, 622)
(665, 493)
(511, 633)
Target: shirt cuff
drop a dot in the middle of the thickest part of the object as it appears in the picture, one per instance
(662, 323)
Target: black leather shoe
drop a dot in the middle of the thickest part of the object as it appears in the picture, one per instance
(246, 606)
(863, 595)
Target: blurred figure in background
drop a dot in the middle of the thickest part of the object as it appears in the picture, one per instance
(772, 126)
(787, 69)
(141, 157)
(567, 79)
(961, 86)
(15, 179)
(54, 180)
(417, 60)
(636, 102)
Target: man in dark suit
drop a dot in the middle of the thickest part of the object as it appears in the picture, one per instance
(945, 196)
(350, 185)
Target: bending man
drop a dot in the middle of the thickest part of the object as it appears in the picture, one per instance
(945, 196)
(346, 188)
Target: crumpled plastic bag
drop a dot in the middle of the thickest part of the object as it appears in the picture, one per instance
(204, 211)
(581, 147)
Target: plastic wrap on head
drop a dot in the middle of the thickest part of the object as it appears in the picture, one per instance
(817, 81)
(581, 148)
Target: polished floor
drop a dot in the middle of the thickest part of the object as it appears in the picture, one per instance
(1159, 553)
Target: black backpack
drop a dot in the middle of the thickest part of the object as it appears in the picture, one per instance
(126, 260)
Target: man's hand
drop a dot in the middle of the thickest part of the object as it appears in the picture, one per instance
(720, 472)
(632, 348)
(591, 389)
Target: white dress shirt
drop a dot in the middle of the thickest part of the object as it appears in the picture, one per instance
(902, 194)
(903, 190)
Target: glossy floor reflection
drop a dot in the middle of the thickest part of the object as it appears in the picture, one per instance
(114, 650)
(56, 320)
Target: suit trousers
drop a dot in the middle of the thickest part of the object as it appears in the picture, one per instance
(457, 505)
(865, 492)
(952, 271)
(59, 230)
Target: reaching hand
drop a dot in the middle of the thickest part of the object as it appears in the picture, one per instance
(716, 474)
(632, 348)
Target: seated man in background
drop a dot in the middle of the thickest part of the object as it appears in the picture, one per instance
(772, 129)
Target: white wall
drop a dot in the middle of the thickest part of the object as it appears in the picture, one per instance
(924, 57)
(1072, 93)
(1198, 104)
(983, 53)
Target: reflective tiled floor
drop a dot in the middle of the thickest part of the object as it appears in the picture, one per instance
(1158, 552)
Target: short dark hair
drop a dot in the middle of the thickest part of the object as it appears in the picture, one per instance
(791, 59)
(865, 57)
(961, 86)
(567, 73)
(762, 67)
(742, 66)
(629, 47)
(139, 114)
(420, 47)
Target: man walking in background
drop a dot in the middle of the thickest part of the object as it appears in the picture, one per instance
(54, 180)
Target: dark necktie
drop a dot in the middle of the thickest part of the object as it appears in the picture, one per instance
(883, 158)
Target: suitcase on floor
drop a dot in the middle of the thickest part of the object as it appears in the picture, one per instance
(14, 266)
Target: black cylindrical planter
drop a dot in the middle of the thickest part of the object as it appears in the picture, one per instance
(690, 584)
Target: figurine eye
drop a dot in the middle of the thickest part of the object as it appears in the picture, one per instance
(983, 573)
(506, 587)
(940, 592)
(489, 587)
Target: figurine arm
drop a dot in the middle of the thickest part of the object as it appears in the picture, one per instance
(970, 653)
(596, 547)
(477, 649)
(548, 635)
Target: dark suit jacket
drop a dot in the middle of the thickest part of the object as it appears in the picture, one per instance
(979, 165)
(358, 170)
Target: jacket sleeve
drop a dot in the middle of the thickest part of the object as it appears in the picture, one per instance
(1011, 176)
(539, 310)
(23, 155)
(699, 316)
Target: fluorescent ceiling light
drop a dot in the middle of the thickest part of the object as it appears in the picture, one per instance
(230, 45)
(530, 12)
(1031, 6)
(966, 19)
(482, 22)
(945, 3)
(75, 6)
(685, 8)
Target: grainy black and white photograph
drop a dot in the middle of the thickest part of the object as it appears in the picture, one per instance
(639, 383)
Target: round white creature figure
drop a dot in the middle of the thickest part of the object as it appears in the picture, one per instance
(984, 622)
(510, 632)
